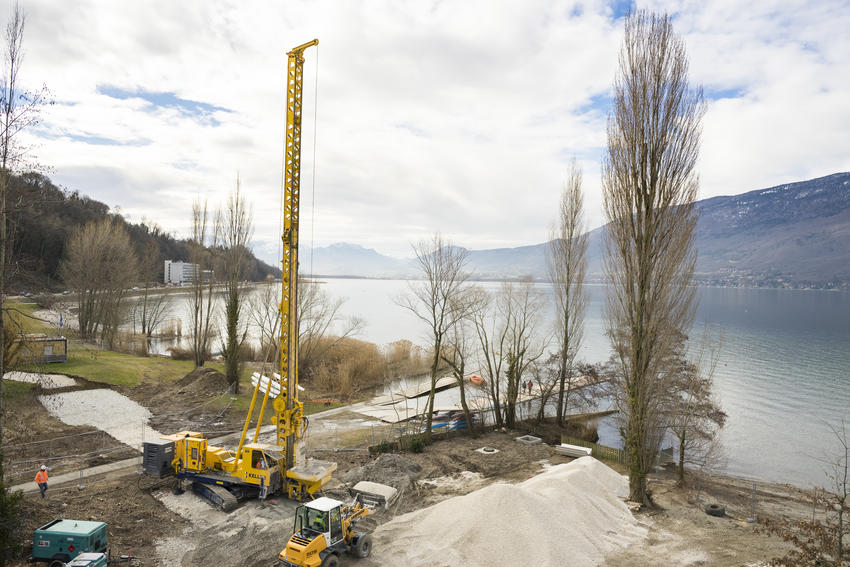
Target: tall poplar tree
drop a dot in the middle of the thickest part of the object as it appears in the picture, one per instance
(649, 186)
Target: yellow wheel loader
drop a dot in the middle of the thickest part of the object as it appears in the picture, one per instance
(323, 531)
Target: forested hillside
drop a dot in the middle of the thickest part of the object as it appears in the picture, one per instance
(42, 216)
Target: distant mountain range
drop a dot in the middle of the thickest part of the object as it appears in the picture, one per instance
(793, 235)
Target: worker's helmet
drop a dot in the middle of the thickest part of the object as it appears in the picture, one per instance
(44, 468)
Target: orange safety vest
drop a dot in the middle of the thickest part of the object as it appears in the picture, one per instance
(40, 476)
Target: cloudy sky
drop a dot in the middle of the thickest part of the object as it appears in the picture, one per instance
(458, 116)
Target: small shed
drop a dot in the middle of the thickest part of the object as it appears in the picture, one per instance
(41, 349)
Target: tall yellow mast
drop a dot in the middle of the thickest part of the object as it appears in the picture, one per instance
(288, 408)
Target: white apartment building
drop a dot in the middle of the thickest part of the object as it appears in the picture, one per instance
(178, 272)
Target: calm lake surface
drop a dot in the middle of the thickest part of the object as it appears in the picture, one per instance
(782, 377)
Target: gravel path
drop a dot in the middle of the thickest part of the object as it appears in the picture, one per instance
(47, 381)
(107, 410)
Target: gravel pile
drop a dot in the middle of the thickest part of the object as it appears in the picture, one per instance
(572, 514)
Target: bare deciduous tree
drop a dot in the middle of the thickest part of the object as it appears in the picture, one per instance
(506, 326)
(434, 299)
(265, 313)
(649, 187)
(695, 415)
(151, 310)
(319, 319)
(492, 333)
(203, 278)
(321, 325)
(545, 374)
(18, 110)
(459, 348)
(99, 265)
(567, 263)
(520, 306)
(235, 224)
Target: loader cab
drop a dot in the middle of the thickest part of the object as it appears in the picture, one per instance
(321, 516)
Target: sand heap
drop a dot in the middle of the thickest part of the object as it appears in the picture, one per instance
(572, 514)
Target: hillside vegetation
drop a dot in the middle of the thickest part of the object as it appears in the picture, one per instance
(43, 216)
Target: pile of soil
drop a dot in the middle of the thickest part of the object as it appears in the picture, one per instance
(198, 401)
(512, 460)
(202, 380)
(397, 471)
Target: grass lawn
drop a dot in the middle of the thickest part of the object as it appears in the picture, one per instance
(23, 312)
(120, 369)
(13, 390)
(127, 370)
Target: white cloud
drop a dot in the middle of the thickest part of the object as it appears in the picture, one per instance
(452, 116)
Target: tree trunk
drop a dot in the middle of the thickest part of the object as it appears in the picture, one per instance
(561, 405)
(634, 451)
(231, 350)
(434, 365)
(497, 406)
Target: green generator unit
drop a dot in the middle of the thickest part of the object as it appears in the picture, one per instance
(60, 541)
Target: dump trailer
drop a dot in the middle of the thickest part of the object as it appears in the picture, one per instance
(323, 532)
(60, 541)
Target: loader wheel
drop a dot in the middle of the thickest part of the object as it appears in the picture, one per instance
(363, 547)
(330, 561)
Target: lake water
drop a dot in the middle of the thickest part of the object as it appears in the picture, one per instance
(783, 374)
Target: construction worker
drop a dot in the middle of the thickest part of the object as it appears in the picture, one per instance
(41, 480)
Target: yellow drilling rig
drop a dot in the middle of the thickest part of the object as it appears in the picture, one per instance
(255, 469)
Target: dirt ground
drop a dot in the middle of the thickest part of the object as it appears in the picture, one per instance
(146, 519)
(197, 402)
(33, 437)
(682, 533)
